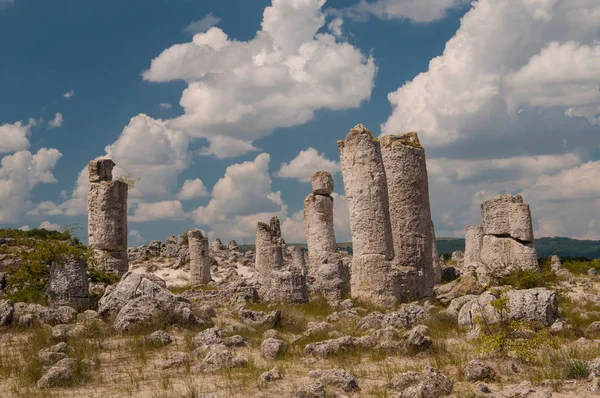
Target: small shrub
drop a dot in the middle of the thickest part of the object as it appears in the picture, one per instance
(96, 275)
(522, 279)
(580, 266)
(576, 369)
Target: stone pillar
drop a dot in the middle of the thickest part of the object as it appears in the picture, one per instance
(437, 263)
(217, 245)
(269, 249)
(107, 217)
(325, 266)
(199, 258)
(473, 243)
(508, 243)
(366, 190)
(68, 283)
(410, 213)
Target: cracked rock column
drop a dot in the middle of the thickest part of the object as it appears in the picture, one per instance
(269, 248)
(107, 217)
(437, 264)
(199, 258)
(410, 213)
(325, 265)
(367, 196)
(473, 243)
(507, 243)
(68, 284)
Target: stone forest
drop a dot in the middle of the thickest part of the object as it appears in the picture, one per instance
(393, 318)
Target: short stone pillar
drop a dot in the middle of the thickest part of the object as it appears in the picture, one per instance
(68, 284)
(326, 267)
(199, 258)
(217, 245)
(269, 248)
(508, 243)
(233, 245)
(107, 217)
(410, 213)
(288, 285)
(365, 184)
(473, 243)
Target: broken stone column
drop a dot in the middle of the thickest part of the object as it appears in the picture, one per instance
(107, 217)
(508, 243)
(326, 267)
(68, 284)
(288, 284)
(269, 249)
(199, 258)
(410, 213)
(473, 243)
(217, 245)
(233, 245)
(366, 190)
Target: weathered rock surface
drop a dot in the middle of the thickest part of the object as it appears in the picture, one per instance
(61, 374)
(260, 319)
(273, 348)
(338, 378)
(538, 304)
(417, 339)
(68, 283)
(50, 316)
(473, 244)
(270, 376)
(199, 258)
(7, 309)
(431, 383)
(477, 371)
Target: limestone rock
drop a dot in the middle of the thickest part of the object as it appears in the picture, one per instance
(50, 316)
(507, 215)
(107, 215)
(270, 376)
(219, 357)
(199, 258)
(322, 183)
(313, 390)
(327, 348)
(61, 374)
(51, 355)
(338, 378)
(288, 285)
(431, 383)
(477, 371)
(409, 210)
(538, 304)
(208, 337)
(473, 244)
(260, 319)
(159, 338)
(6, 312)
(175, 360)
(100, 170)
(417, 338)
(501, 256)
(273, 348)
(68, 284)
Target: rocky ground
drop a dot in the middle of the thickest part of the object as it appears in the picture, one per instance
(152, 335)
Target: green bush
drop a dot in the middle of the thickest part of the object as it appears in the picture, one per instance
(580, 266)
(96, 275)
(522, 279)
(576, 369)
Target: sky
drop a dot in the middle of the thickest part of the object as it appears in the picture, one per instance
(223, 109)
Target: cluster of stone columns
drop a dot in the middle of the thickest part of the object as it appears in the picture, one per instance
(199, 257)
(279, 283)
(331, 276)
(387, 191)
(504, 242)
(107, 217)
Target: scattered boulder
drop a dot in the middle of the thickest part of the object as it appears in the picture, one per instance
(273, 348)
(538, 304)
(175, 360)
(6, 312)
(338, 378)
(60, 374)
(208, 337)
(408, 316)
(51, 355)
(219, 357)
(417, 338)
(260, 319)
(313, 390)
(159, 338)
(594, 327)
(327, 348)
(270, 376)
(431, 383)
(477, 371)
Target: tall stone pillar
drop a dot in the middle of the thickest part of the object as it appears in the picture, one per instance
(199, 258)
(107, 217)
(410, 213)
(366, 190)
(473, 243)
(325, 265)
(269, 248)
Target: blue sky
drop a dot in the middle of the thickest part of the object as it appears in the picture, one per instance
(510, 103)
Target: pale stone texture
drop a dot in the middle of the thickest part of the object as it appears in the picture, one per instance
(331, 277)
(322, 183)
(501, 256)
(366, 190)
(107, 217)
(437, 262)
(269, 248)
(507, 215)
(473, 243)
(199, 258)
(409, 210)
(68, 284)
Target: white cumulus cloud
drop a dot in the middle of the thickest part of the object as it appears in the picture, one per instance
(202, 25)
(303, 166)
(56, 122)
(415, 10)
(49, 226)
(192, 189)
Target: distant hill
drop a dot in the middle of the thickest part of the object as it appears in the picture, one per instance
(563, 247)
